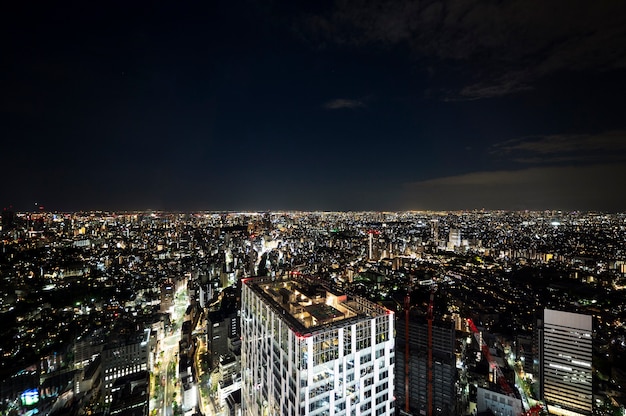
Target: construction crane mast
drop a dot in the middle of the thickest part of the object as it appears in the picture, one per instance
(534, 411)
(430, 350)
(500, 379)
(429, 317)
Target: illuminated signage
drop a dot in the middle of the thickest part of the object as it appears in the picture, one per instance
(30, 397)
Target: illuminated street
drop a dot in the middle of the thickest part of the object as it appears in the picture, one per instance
(166, 375)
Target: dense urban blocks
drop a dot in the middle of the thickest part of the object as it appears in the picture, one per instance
(92, 301)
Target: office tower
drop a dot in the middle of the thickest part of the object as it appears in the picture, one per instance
(566, 363)
(87, 348)
(435, 230)
(129, 395)
(309, 350)
(443, 366)
(205, 294)
(454, 238)
(167, 295)
(222, 325)
(124, 355)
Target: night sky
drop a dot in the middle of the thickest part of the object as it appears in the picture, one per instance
(314, 105)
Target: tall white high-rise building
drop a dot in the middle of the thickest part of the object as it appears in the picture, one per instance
(454, 238)
(566, 363)
(307, 350)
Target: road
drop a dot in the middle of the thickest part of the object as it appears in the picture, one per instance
(527, 401)
(166, 375)
(168, 351)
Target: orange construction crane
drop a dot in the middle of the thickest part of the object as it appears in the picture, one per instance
(494, 365)
(407, 307)
(534, 411)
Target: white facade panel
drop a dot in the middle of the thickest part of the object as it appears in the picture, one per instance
(567, 363)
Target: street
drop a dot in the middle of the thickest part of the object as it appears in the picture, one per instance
(165, 375)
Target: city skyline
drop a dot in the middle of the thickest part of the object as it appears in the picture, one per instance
(329, 106)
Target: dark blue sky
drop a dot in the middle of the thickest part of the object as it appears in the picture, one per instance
(331, 105)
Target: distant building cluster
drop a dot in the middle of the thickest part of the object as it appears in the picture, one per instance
(312, 313)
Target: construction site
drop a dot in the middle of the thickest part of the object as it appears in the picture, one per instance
(446, 365)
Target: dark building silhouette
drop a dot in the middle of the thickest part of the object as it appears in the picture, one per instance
(443, 365)
(221, 325)
(130, 395)
(233, 402)
(8, 220)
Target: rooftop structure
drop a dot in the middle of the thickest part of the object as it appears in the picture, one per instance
(308, 305)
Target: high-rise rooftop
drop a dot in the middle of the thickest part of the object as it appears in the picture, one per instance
(308, 305)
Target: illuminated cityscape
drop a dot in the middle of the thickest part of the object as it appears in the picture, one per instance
(281, 208)
(143, 312)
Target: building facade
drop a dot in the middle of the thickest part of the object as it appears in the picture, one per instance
(221, 326)
(498, 403)
(566, 363)
(307, 350)
(124, 356)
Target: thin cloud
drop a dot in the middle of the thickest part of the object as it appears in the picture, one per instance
(509, 84)
(582, 148)
(507, 46)
(340, 103)
(592, 187)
